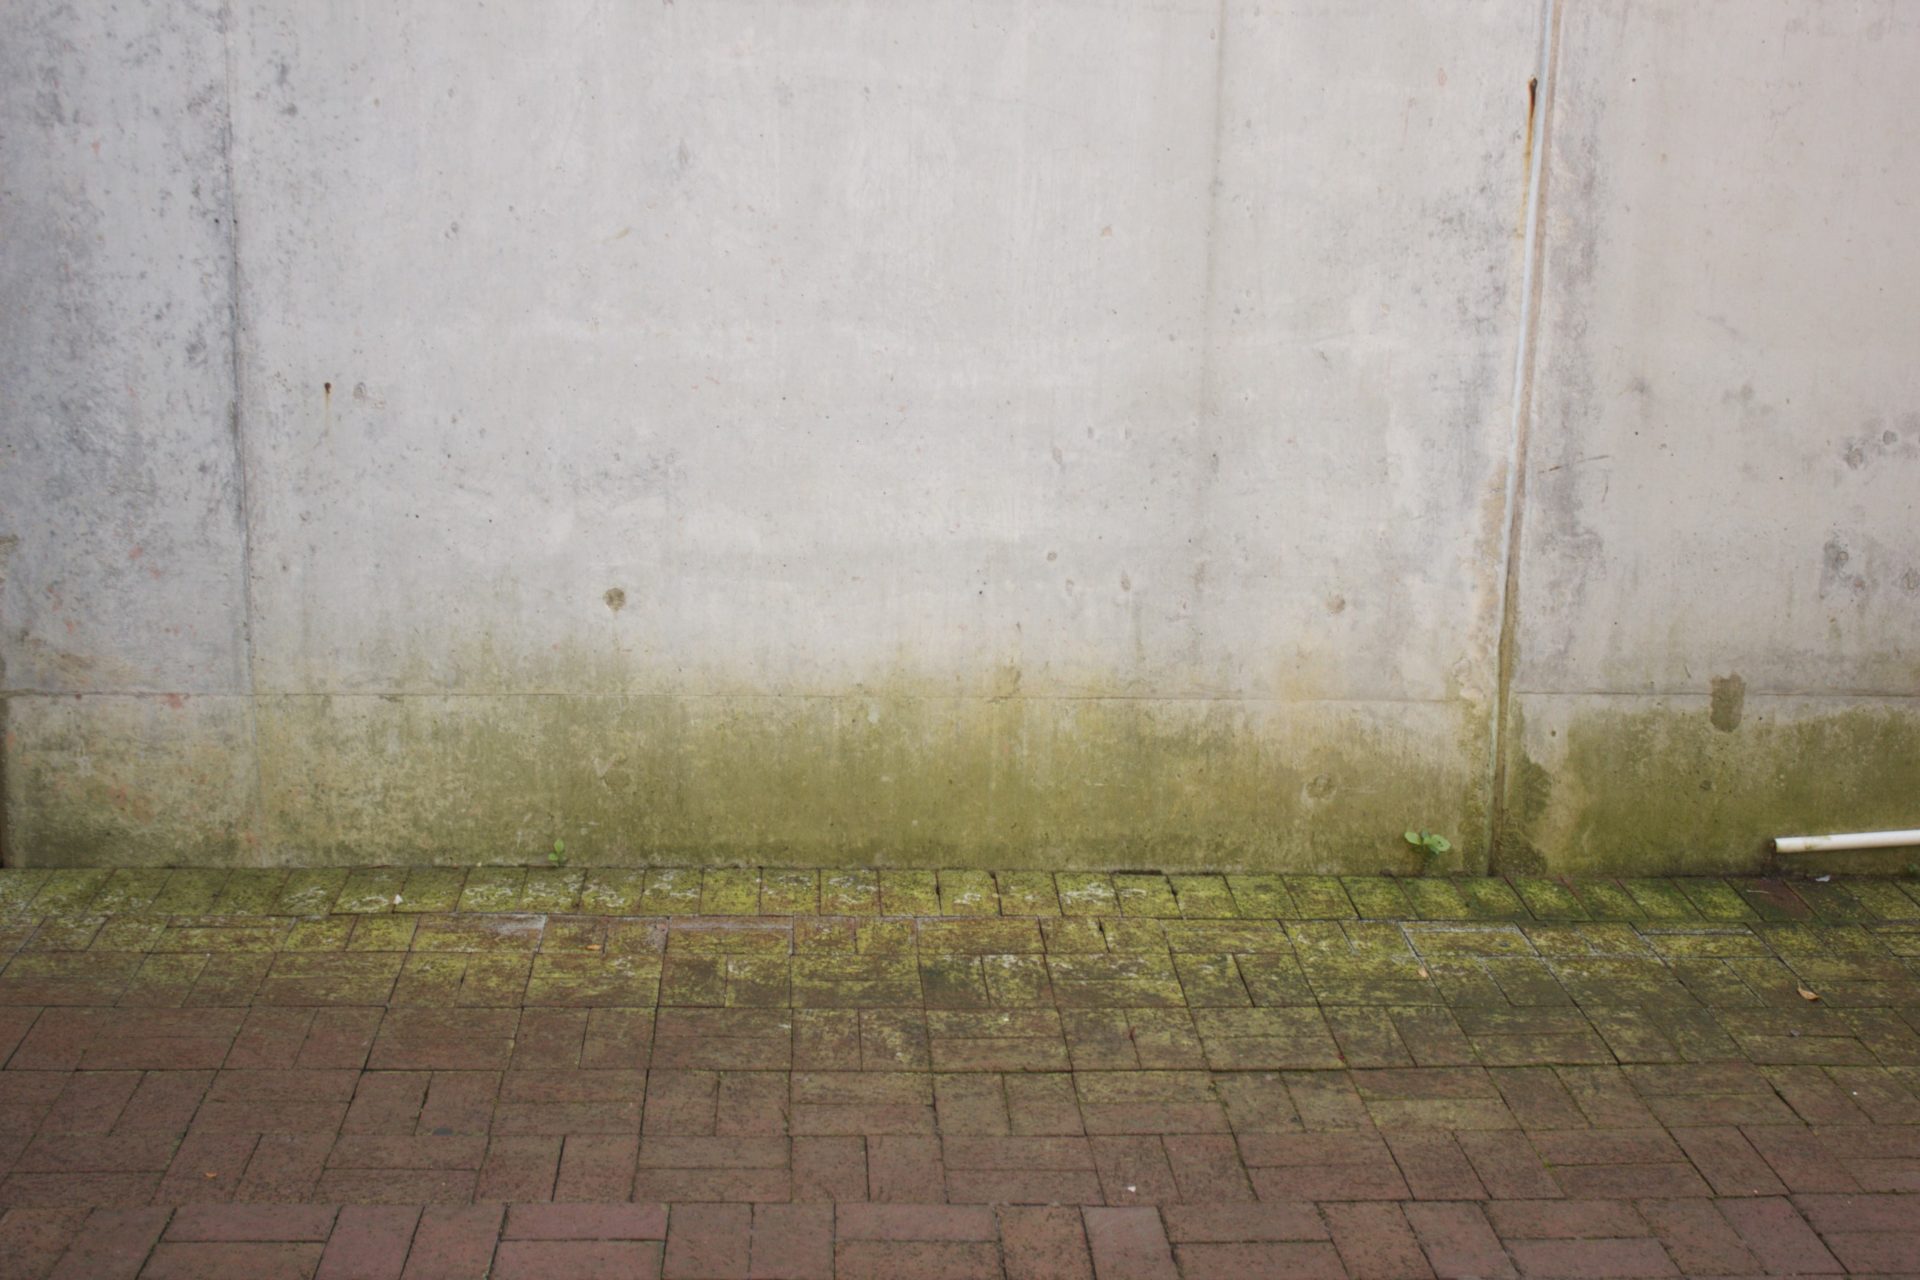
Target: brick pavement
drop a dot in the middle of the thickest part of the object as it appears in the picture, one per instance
(790, 1075)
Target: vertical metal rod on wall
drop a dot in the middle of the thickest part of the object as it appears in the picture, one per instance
(1539, 96)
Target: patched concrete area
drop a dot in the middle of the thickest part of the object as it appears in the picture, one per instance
(738, 1073)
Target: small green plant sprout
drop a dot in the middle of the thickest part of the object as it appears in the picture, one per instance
(558, 857)
(1431, 844)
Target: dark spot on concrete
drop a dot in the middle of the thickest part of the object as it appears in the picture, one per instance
(1321, 787)
(1526, 148)
(1126, 583)
(1728, 703)
(1834, 558)
(326, 389)
(1336, 603)
(1910, 581)
(1856, 456)
(616, 599)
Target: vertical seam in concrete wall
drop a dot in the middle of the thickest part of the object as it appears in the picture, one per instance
(6, 803)
(1519, 426)
(235, 419)
(1211, 266)
(1203, 411)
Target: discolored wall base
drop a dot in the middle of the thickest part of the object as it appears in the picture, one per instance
(1612, 785)
(843, 780)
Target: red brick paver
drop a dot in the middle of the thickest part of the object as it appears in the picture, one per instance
(550, 1072)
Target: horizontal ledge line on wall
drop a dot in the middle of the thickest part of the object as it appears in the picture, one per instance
(123, 693)
(1703, 696)
(735, 695)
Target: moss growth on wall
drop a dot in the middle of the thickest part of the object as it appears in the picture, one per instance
(111, 780)
(884, 779)
(1660, 785)
(904, 777)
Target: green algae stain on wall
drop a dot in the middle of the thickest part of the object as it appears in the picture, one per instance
(1669, 785)
(111, 780)
(906, 777)
(888, 778)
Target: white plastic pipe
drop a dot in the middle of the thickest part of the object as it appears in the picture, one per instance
(1852, 840)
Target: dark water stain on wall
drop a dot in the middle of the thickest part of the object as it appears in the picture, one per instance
(1664, 789)
(1728, 702)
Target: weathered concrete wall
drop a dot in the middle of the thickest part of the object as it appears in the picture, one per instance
(1026, 432)
(1719, 586)
(123, 618)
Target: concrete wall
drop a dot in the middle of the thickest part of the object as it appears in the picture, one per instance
(1719, 581)
(1020, 433)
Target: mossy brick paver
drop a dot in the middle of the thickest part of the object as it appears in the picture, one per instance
(1087, 894)
(909, 893)
(383, 933)
(189, 892)
(1831, 901)
(1377, 897)
(966, 893)
(551, 889)
(18, 889)
(1607, 900)
(1716, 899)
(672, 891)
(1027, 893)
(1661, 899)
(613, 891)
(789, 891)
(1490, 898)
(68, 891)
(492, 889)
(1548, 899)
(265, 1072)
(1884, 899)
(127, 891)
(1261, 896)
(372, 890)
(730, 891)
(432, 889)
(849, 893)
(1319, 898)
(1433, 899)
(310, 892)
(1203, 897)
(250, 890)
(1145, 894)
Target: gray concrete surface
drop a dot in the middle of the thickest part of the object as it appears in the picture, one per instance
(1719, 585)
(1008, 433)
